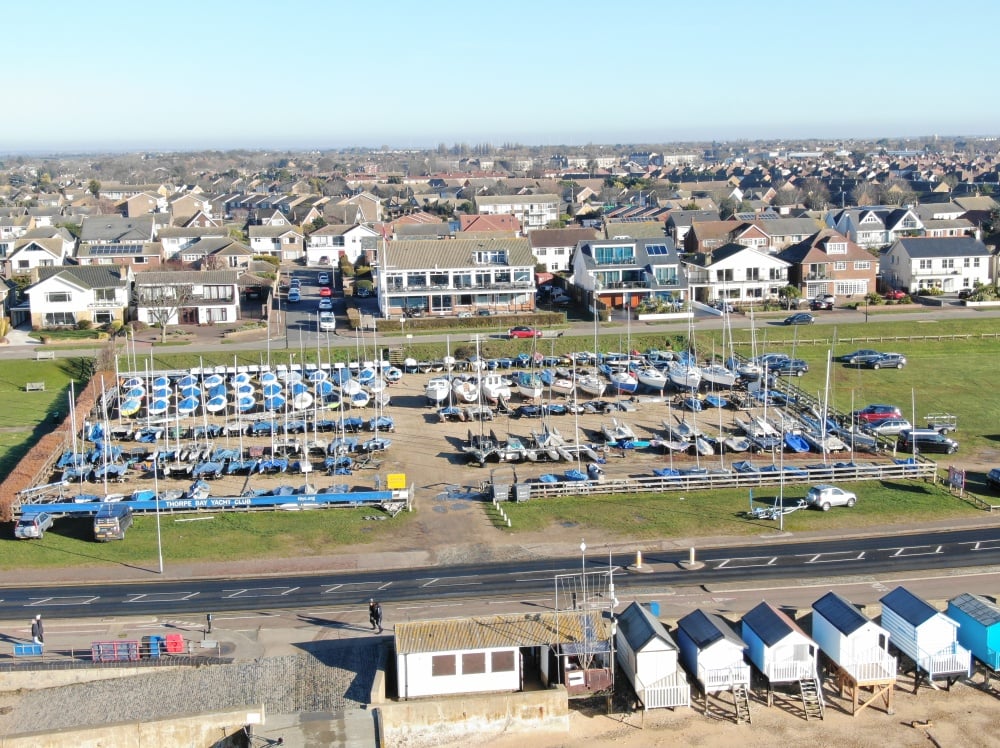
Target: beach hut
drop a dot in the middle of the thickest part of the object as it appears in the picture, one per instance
(978, 627)
(783, 653)
(858, 648)
(927, 636)
(713, 654)
(647, 655)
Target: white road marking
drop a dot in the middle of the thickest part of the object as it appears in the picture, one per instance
(914, 550)
(260, 592)
(356, 587)
(743, 563)
(817, 558)
(78, 600)
(983, 545)
(160, 597)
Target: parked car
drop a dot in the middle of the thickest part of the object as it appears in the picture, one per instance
(325, 304)
(895, 294)
(872, 413)
(925, 440)
(524, 332)
(849, 357)
(993, 479)
(723, 306)
(295, 283)
(790, 367)
(323, 279)
(965, 293)
(33, 526)
(464, 315)
(294, 295)
(887, 361)
(888, 426)
(802, 318)
(825, 496)
(823, 302)
(327, 322)
(325, 291)
(864, 357)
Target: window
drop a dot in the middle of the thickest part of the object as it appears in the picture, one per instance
(57, 297)
(104, 294)
(948, 263)
(502, 662)
(491, 257)
(474, 663)
(836, 248)
(217, 315)
(442, 665)
(966, 262)
(862, 265)
(103, 317)
(522, 276)
(724, 275)
(139, 260)
(614, 255)
(223, 293)
(840, 266)
(925, 264)
(753, 274)
(416, 280)
(776, 274)
(502, 276)
(54, 319)
(975, 262)
(850, 287)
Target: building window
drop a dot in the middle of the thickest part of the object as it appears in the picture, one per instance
(840, 266)
(975, 262)
(217, 315)
(966, 262)
(724, 275)
(753, 274)
(850, 287)
(474, 663)
(104, 317)
(104, 294)
(57, 319)
(862, 265)
(224, 293)
(57, 297)
(502, 662)
(925, 264)
(948, 263)
(442, 665)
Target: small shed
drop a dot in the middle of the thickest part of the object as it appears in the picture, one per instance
(783, 653)
(925, 635)
(978, 627)
(858, 647)
(647, 655)
(712, 652)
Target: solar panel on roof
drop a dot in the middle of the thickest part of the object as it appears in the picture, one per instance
(656, 249)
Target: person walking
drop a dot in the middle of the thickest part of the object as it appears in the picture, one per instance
(38, 630)
(375, 615)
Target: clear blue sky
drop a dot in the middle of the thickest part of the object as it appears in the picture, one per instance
(219, 74)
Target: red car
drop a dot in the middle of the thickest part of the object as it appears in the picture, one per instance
(325, 291)
(873, 413)
(895, 294)
(524, 332)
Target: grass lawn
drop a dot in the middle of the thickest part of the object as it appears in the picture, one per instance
(676, 515)
(228, 537)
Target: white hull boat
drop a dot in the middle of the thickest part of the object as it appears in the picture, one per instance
(652, 377)
(718, 375)
(466, 390)
(592, 385)
(437, 390)
(494, 387)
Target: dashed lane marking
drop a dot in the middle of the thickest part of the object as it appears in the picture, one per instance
(260, 592)
(841, 556)
(160, 597)
(73, 600)
(914, 550)
(743, 563)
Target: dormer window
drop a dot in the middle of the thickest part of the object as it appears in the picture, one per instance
(836, 248)
(490, 257)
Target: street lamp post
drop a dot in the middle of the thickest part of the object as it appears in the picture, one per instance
(583, 574)
(156, 498)
(866, 308)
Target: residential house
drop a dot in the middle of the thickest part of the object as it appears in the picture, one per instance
(947, 264)
(493, 224)
(115, 229)
(647, 656)
(327, 245)
(176, 239)
(14, 223)
(705, 236)
(284, 242)
(450, 276)
(186, 297)
(29, 254)
(138, 257)
(873, 227)
(361, 208)
(66, 296)
(532, 211)
(735, 272)
(925, 635)
(626, 270)
(679, 222)
(830, 263)
(141, 204)
(553, 248)
(185, 206)
(54, 232)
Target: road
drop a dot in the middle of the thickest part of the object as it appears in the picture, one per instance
(747, 563)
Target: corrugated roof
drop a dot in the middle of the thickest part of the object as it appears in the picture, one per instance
(707, 628)
(88, 276)
(840, 613)
(770, 624)
(174, 277)
(493, 632)
(452, 253)
(908, 606)
(639, 627)
(977, 608)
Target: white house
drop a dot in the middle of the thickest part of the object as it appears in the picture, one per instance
(325, 246)
(65, 296)
(29, 254)
(648, 657)
(925, 635)
(283, 242)
(553, 248)
(625, 270)
(186, 297)
(737, 273)
(949, 264)
(876, 226)
(533, 211)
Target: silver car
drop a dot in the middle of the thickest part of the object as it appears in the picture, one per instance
(825, 496)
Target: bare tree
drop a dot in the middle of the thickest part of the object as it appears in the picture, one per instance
(163, 305)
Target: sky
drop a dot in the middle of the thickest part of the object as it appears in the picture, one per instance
(110, 75)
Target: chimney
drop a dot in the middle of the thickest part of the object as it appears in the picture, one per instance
(708, 258)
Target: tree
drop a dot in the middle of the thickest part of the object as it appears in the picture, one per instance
(727, 208)
(817, 194)
(93, 187)
(318, 223)
(163, 305)
(789, 294)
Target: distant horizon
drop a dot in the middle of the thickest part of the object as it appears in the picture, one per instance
(106, 77)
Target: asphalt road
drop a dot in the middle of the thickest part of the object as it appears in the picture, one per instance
(751, 563)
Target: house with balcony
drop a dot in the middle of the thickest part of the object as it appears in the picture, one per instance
(706, 236)
(282, 241)
(29, 254)
(327, 245)
(553, 248)
(878, 226)
(186, 297)
(949, 264)
(625, 270)
(737, 273)
(66, 296)
(449, 276)
(144, 256)
(828, 262)
(532, 211)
